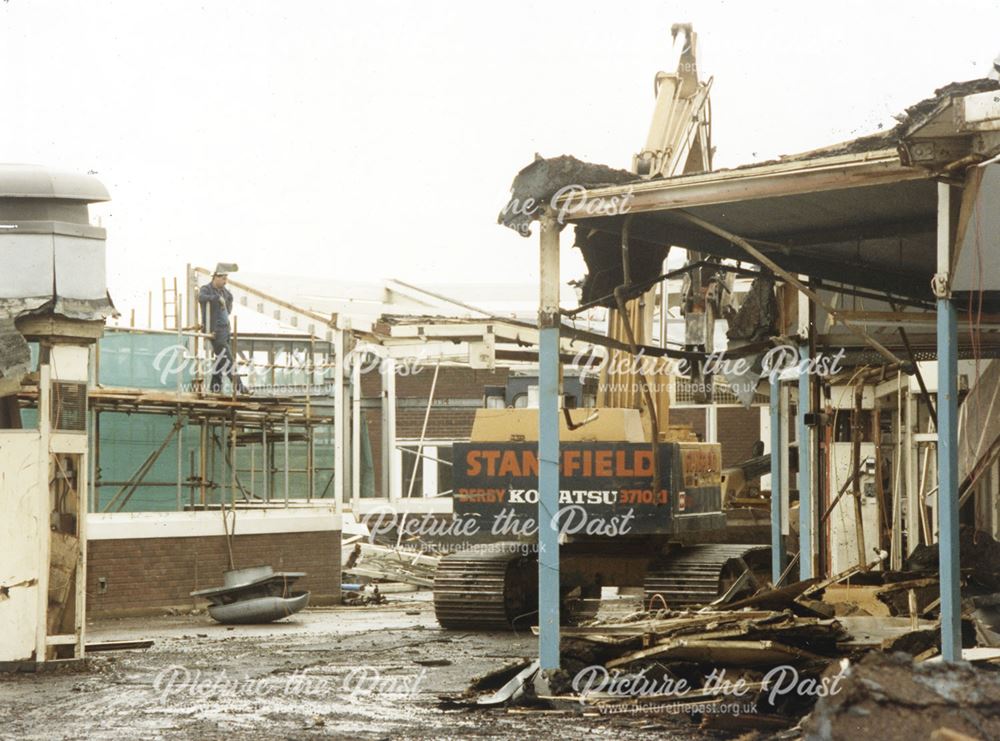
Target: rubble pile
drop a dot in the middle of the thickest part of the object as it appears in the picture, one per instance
(373, 561)
(890, 696)
(765, 666)
(763, 663)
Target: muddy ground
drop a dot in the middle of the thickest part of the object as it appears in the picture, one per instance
(358, 672)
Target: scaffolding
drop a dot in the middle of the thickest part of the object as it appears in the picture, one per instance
(159, 442)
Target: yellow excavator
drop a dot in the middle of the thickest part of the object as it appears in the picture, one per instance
(642, 504)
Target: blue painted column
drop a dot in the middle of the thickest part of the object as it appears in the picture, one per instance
(548, 446)
(805, 470)
(947, 445)
(777, 542)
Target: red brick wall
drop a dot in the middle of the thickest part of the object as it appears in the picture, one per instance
(739, 429)
(443, 423)
(454, 382)
(146, 574)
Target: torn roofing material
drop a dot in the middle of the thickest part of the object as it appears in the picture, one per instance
(914, 117)
(14, 356)
(858, 213)
(14, 351)
(605, 270)
(855, 213)
(536, 185)
(543, 178)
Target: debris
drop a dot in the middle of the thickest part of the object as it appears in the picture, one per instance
(358, 594)
(974, 654)
(757, 642)
(514, 689)
(535, 185)
(775, 599)
(855, 599)
(690, 650)
(890, 696)
(986, 614)
(254, 595)
(757, 316)
(866, 632)
(837, 578)
(723, 652)
(735, 722)
(979, 555)
(97, 646)
(948, 734)
(15, 355)
(897, 596)
(391, 564)
(497, 678)
(914, 642)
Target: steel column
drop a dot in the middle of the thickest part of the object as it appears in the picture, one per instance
(285, 447)
(711, 424)
(548, 446)
(389, 479)
(805, 470)
(180, 463)
(947, 446)
(355, 432)
(339, 418)
(777, 541)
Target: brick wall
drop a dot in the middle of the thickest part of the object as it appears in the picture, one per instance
(454, 382)
(149, 574)
(739, 429)
(443, 423)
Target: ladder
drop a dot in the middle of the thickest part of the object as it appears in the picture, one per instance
(171, 303)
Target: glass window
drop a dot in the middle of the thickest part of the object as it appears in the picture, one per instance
(433, 468)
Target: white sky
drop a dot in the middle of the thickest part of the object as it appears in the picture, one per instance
(370, 140)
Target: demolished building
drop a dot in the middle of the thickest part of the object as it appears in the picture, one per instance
(877, 251)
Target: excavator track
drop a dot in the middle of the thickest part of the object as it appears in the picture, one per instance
(488, 588)
(699, 574)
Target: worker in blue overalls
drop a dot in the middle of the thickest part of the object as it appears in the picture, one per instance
(216, 305)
